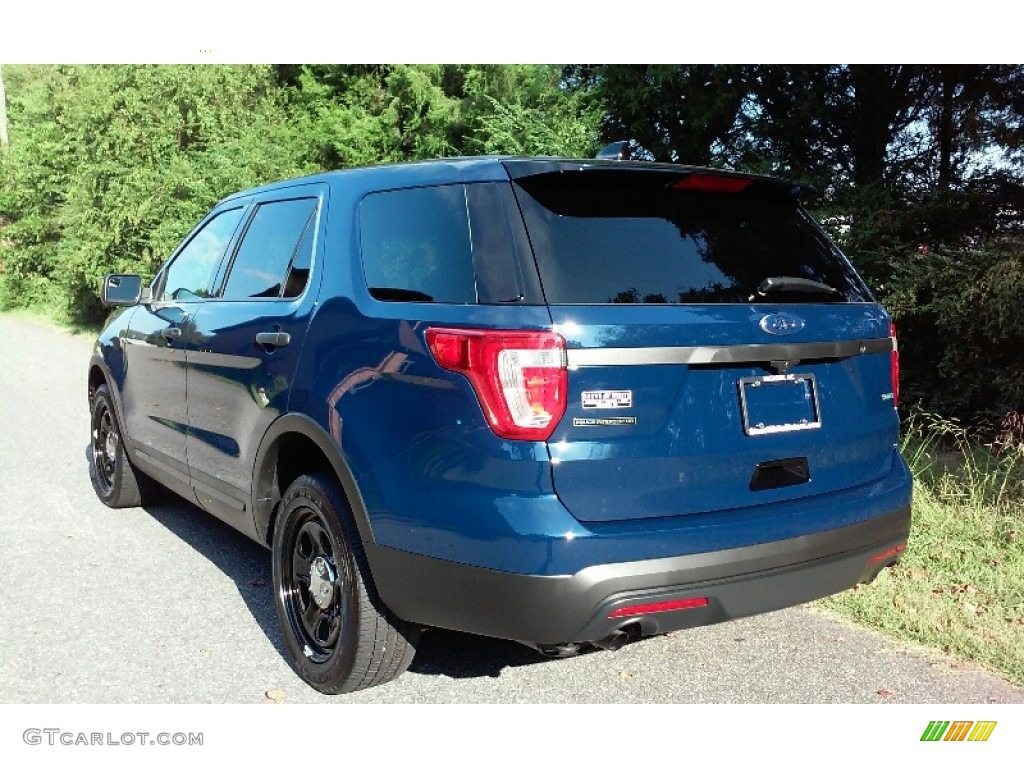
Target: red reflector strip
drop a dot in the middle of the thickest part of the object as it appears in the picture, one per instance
(888, 553)
(703, 183)
(895, 366)
(672, 605)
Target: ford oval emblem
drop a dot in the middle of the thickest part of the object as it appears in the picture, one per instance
(781, 324)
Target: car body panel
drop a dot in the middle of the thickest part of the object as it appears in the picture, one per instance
(237, 387)
(430, 483)
(154, 380)
(681, 445)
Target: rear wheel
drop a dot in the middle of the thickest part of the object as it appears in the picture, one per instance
(116, 482)
(340, 638)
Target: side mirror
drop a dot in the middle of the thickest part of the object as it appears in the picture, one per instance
(121, 290)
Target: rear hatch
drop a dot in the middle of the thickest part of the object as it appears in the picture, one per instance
(722, 352)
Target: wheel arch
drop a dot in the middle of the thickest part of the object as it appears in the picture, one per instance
(300, 435)
(100, 374)
(97, 376)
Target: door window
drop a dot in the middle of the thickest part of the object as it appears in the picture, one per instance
(277, 241)
(188, 277)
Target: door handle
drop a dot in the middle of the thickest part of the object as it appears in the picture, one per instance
(171, 333)
(273, 339)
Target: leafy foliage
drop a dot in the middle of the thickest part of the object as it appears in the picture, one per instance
(677, 114)
(110, 166)
(963, 310)
(916, 169)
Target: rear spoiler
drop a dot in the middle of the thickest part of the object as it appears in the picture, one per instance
(522, 168)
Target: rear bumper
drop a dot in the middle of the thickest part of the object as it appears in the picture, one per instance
(575, 608)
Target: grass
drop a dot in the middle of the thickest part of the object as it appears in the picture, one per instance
(960, 585)
(54, 317)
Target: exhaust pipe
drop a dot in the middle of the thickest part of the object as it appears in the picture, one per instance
(614, 641)
(624, 634)
(619, 637)
(558, 650)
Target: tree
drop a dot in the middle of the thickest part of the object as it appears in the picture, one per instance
(111, 166)
(685, 114)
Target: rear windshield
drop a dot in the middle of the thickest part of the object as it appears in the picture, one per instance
(622, 237)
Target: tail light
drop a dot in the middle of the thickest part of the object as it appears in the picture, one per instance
(519, 377)
(895, 366)
(699, 182)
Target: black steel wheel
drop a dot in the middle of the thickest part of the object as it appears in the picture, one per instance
(116, 482)
(105, 447)
(340, 637)
(316, 587)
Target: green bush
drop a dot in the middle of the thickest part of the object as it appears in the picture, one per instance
(109, 166)
(949, 266)
(961, 322)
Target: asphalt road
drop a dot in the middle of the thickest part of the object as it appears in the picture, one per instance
(167, 604)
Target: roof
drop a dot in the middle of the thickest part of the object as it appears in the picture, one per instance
(451, 170)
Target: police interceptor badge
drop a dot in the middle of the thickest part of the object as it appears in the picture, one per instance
(605, 421)
(608, 398)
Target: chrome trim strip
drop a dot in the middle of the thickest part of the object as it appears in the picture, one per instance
(726, 354)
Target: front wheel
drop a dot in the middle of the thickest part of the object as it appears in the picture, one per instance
(340, 638)
(116, 482)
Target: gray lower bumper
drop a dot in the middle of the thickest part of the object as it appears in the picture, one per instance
(562, 609)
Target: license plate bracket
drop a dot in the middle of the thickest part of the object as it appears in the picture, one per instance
(780, 403)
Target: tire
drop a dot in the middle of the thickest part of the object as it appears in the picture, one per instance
(117, 483)
(344, 640)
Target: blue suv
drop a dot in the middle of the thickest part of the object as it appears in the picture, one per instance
(564, 402)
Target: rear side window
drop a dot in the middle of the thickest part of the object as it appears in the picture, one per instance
(416, 245)
(274, 245)
(620, 237)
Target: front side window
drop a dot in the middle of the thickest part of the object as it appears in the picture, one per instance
(277, 241)
(187, 278)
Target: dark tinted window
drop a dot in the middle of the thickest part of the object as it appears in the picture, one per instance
(270, 243)
(298, 274)
(188, 276)
(609, 237)
(416, 245)
(498, 277)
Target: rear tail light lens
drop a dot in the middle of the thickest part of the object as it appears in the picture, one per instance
(895, 366)
(519, 377)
